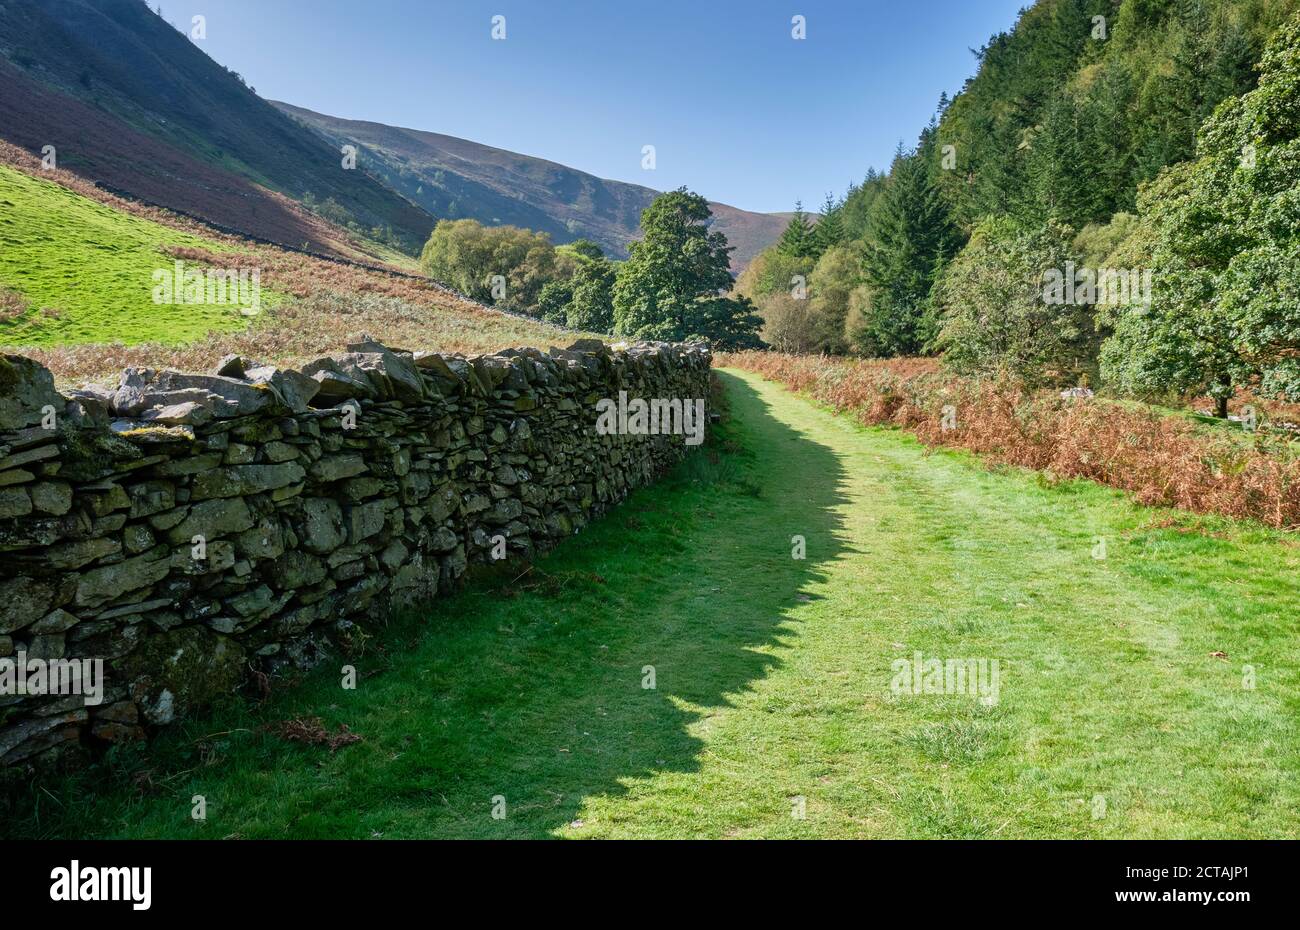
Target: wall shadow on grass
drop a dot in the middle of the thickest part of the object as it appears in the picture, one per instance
(531, 691)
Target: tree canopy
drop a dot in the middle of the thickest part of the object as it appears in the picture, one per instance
(798, 240)
(912, 236)
(1084, 116)
(1226, 309)
(672, 285)
(502, 265)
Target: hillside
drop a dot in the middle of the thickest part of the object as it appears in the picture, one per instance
(1065, 121)
(133, 104)
(86, 270)
(136, 106)
(457, 179)
(77, 268)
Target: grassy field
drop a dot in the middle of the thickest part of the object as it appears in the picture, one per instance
(87, 271)
(1123, 708)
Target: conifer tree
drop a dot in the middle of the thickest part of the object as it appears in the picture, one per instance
(912, 237)
(829, 231)
(797, 240)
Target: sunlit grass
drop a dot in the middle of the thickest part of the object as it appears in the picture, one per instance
(86, 271)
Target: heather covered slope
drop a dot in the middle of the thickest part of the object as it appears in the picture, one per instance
(129, 101)
(458, 179)
(102, 149)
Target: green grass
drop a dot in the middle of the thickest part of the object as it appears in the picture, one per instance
(378, 251)
(87, 271)
(773, 674)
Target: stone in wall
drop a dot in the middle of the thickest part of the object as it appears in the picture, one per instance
(183, 528)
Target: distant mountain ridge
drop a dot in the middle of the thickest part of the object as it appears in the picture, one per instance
(131, 103)
(459, 179)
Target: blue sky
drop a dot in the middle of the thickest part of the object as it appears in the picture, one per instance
(736, 109)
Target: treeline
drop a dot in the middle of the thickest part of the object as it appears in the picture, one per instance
(1113, 195)
(672, 287)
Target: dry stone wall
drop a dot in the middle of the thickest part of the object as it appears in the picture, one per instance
(188, 529)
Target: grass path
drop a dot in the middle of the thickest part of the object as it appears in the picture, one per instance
(772, 675)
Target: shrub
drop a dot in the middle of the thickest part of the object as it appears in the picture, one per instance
(468, 256)
(994, 317)
(787, 324)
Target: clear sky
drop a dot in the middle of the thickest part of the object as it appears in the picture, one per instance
(736, 108)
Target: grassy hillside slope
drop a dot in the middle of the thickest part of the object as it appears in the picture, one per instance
(76, 290)
(86, 270)
(102, 149)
